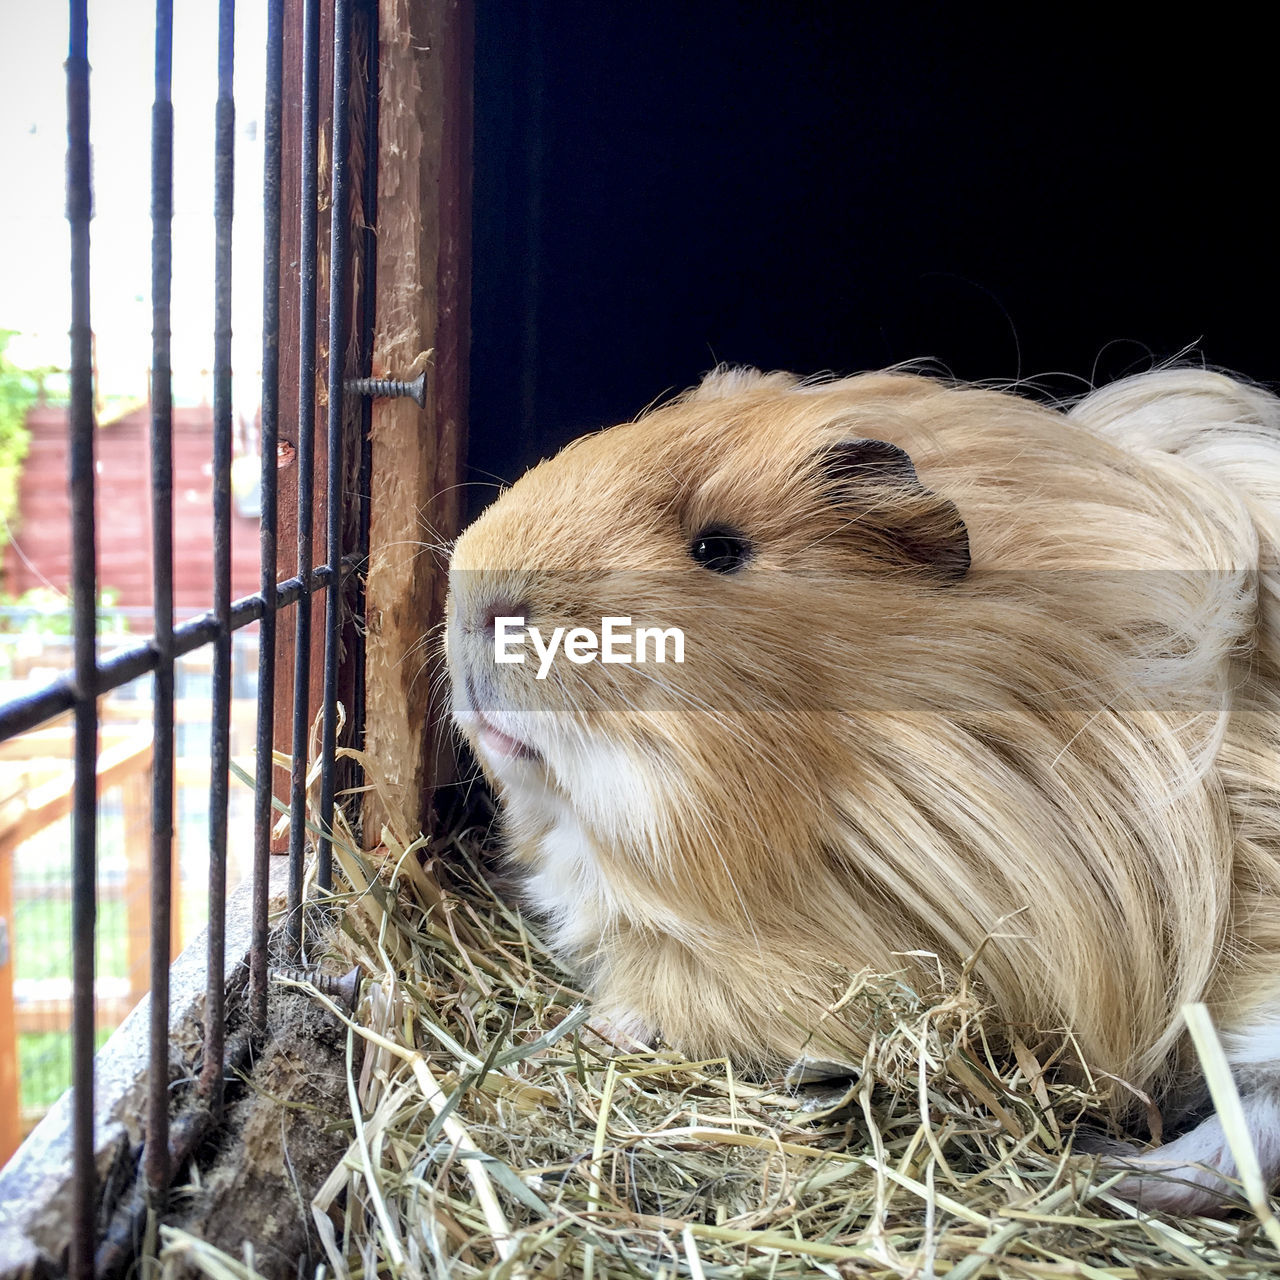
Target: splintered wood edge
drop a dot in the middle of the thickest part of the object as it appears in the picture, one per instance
(423, 279)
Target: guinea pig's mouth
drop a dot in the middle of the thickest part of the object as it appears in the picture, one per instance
(495, 744)
(502, 746)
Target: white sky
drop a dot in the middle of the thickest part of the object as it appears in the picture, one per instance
(34, 236)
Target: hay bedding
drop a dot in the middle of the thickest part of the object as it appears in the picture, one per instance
(492, 1134)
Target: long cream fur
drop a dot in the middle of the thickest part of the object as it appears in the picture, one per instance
(1065, 761)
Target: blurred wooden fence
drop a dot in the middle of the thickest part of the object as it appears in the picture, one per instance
(35, 793)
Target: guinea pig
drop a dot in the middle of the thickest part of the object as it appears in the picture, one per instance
(965, 679)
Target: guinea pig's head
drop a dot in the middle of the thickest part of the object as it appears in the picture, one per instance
(744, 554)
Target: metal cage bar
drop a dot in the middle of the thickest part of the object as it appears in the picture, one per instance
(84, 589)
(306, 459)
(156, 1164)
(171, 1138)
(220, 733)
(364, 366)
(59, 696)
(268, 445)
(338, 250)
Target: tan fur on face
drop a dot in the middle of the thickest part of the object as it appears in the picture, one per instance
(1066, 760)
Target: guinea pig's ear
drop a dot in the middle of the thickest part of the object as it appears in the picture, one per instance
(908, 525)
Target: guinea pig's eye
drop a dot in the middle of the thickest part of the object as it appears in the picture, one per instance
(720, 549)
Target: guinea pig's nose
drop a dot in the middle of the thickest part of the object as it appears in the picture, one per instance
(501, 607)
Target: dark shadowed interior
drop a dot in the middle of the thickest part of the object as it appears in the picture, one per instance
(842, 186)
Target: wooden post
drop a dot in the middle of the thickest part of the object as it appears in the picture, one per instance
(10, 1112)
(423, 283)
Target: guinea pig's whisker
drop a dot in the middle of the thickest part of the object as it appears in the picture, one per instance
(416, 648)
(495, 482)
(417, 675)
(434, 658)
(439, 549)
(435, 694)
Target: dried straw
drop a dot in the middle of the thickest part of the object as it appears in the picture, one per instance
(495, 1135)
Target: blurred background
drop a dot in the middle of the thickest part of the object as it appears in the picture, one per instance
(35, 545)
(1011, 191)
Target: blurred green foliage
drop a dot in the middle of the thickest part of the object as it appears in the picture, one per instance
(19, 389)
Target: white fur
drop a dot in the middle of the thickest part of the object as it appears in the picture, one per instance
(568, 889)
(567, 885)
(1256, 1046)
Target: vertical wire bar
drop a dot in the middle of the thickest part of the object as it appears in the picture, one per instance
(219, 745)
(84, 592)
(264, 772)
(156, 1158)
(305, 459)
(339, 243)
(364, 356)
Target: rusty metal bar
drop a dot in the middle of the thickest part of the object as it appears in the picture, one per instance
(305, 460)
(339, 250)
(211, 1075)
(57, 697)
(267, 444)
(364, 366)
(156, 1161)
(84, 590)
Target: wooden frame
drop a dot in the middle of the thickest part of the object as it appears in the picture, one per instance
(419, 456)
(423, 233)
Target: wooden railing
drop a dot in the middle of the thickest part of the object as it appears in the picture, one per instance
(35, 793)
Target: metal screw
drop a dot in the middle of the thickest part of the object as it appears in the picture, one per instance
(389, 388)
(345, 989)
